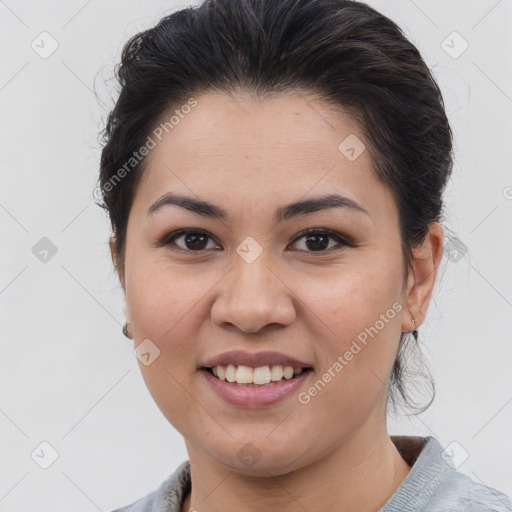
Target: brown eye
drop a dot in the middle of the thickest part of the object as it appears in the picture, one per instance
(189, 240)
(318, 240)
(195, 241)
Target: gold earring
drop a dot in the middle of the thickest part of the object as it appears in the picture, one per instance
(125, 331)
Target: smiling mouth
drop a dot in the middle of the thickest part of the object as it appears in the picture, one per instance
(255, 376)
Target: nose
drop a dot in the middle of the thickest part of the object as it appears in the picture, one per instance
(253, 296)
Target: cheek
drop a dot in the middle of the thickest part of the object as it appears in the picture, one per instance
(356, 318)
(163, 298)
(167, 309)
(344, 304)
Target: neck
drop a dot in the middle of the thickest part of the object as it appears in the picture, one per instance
(361, 475)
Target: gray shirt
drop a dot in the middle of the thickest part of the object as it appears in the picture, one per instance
(433, 484)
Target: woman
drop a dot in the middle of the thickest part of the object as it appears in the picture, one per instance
(274, 172)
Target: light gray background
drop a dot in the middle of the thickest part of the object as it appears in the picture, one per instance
(68, 376)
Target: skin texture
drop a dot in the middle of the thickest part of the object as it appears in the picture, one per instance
(250, 157)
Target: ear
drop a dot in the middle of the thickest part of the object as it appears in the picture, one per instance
(113, 254)
(422, 277)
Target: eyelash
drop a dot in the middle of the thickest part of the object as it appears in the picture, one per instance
(171, 237)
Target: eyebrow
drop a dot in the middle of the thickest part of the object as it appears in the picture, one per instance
(207, 209)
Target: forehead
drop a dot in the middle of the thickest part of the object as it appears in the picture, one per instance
(280, 125)
(275, 150)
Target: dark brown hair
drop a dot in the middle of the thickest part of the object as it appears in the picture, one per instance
(343, 51)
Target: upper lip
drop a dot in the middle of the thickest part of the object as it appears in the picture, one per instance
(239, 357)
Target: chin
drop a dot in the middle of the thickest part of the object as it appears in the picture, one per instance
(261, 458)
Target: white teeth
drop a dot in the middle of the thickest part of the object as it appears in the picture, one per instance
(288, 372)
(261, 375)
(276, 373)
(221, 372)
(230, 372)
(244, 375)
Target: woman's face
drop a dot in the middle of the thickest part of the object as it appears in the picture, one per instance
(250, 282)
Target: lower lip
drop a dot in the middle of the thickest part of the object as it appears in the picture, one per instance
(252, 396)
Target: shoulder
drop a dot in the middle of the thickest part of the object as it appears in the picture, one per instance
(460, 492)
(144, 504)
(169, 495)
(434, 485)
